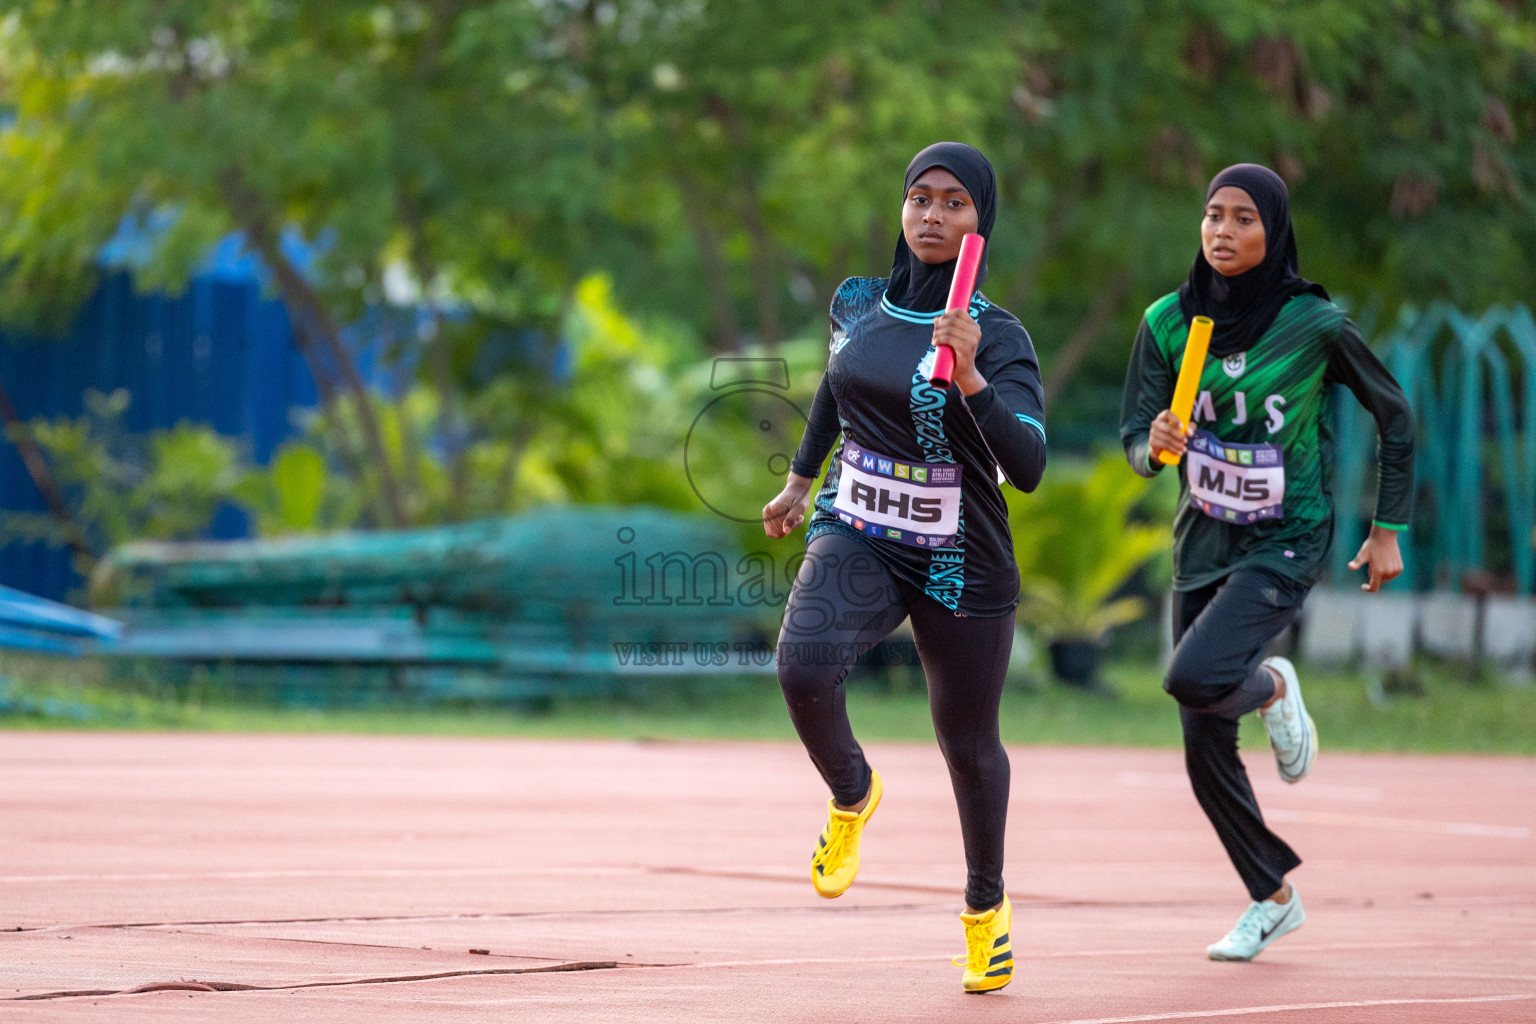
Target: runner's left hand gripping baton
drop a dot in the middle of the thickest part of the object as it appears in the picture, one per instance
(961, 286)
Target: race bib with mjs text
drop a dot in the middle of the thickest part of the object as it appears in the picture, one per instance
(1236, 483)
(916, 503)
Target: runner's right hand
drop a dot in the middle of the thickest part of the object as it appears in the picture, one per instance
(787, 511)
(1167, 434)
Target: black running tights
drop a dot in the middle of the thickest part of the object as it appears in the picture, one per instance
(845, 601)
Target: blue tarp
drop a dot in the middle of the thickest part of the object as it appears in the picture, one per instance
(220, 353)
(32, 623)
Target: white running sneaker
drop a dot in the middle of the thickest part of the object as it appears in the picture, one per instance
(1292, 733)
(1261, 924)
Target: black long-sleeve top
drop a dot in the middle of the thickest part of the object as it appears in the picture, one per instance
(876, 394)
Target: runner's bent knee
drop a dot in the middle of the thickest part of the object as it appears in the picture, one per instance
(1196, 679)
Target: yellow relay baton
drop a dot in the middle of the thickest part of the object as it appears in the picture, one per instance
(1189, 378)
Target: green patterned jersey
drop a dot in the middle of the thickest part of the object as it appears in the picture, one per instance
(1255, 485)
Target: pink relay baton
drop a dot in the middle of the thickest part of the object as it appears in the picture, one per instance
(960, 289)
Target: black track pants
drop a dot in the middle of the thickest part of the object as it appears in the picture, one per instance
(1220, 633)
(843, 603)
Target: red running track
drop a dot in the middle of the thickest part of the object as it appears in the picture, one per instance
(349, 879)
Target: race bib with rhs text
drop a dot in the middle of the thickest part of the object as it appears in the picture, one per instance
(914, 503)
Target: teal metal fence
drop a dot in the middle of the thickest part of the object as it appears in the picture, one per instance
(1472, 382)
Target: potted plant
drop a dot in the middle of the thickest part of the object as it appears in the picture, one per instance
(1077, 546)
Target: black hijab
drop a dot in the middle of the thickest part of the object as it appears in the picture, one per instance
(1245, 304)
(924, 287)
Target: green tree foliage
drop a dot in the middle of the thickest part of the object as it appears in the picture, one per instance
(383, 131)
(503, 148)
(610, 435)
(295, 494)
(724, 165)
(120, 486)
(775, 138)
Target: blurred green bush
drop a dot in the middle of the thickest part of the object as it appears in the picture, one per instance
(1080, 542)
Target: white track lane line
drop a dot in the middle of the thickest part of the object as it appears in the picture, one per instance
(1037, 956)
(1316, 790)
(1362, 794)
(249, 876)
(1242, 1011)
(1445, 828)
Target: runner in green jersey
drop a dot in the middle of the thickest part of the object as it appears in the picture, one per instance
(1255, 516)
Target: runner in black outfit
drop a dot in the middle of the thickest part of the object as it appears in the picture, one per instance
(1255, 516)
(911, 523)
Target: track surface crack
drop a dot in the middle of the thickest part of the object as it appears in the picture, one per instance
(228, 986)
(504, 915)
(1024, 900)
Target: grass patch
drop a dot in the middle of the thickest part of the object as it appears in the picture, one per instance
(1451, 712)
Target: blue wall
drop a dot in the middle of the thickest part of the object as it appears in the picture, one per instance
(220, 353)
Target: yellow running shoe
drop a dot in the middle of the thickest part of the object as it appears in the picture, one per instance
(988, 959)
(836, 860)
